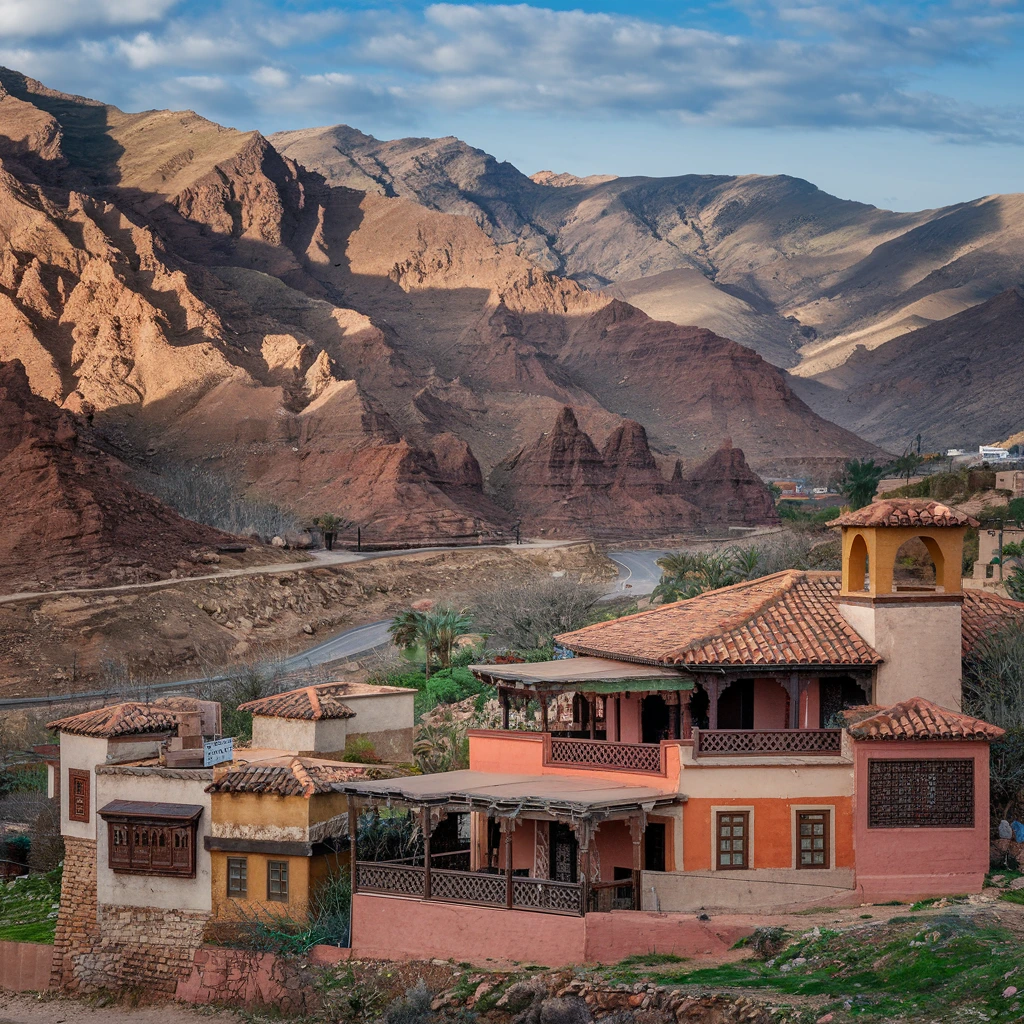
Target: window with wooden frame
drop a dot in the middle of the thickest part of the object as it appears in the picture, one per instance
(277, 881)
(238, 877)
(151, 838)
(732, 839)
(921, 793)
(812, 839)
(78, 794)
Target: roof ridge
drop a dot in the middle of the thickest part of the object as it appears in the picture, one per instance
(302, 776)
(314, 701)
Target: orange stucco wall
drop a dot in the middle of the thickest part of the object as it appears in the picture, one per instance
(772, 828)
(396, 928)
(523, 753)
(898, 863)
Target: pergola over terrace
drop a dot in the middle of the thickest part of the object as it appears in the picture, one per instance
(581, 803)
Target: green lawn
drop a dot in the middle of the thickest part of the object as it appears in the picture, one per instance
(28, 908)
(946, 968)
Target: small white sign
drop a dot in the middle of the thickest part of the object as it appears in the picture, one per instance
(218, 751)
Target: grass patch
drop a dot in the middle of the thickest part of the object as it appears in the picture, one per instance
(1012, 895)
(651, 960)
(28, 908)
(893, 971)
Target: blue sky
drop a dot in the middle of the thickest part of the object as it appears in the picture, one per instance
(904, 105)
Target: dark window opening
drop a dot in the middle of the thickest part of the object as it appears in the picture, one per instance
(654, 719)
(564, 853)
(152, 847)
(935, 793)
(238, 876)
(836, 694)
(78, 794)
(732, 839)
(277, 881)
(654, 846)
(736, 705)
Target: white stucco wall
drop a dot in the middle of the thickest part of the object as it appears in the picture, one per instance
(293, 734)
(778, 777)
(920, 642)
(81, 752)
(377, 712)
(156, 785)
(332, 735)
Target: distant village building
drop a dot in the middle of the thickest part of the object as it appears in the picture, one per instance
(1011, 480)
(992, 452)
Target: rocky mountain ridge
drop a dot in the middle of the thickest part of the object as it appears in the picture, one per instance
(207, 300)
(804, 278)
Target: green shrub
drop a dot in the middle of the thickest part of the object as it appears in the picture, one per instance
(360, 750)
(450, 685)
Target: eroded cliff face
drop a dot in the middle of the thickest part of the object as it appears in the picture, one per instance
(69, 514)
(205, 298)
(564, 485)
(728, 489)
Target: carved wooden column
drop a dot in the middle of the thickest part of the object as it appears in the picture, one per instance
(592, 706)
(637, 827)
(353, 835)
(508, 826)
(711, 685)
(503, 696)
(543, 712)
(427, 826)
(584, 835)
(684, 703)
(793, 688)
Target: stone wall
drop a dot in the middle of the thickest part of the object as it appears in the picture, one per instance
(140, 947)
(106, 946)
(77, 929)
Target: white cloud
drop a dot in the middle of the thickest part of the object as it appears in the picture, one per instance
(53, 17)
(273, 78)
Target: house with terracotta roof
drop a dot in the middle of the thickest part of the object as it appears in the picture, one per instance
(330, 718)
(162, 850)
(791, 740)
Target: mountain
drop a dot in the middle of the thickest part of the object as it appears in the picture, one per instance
(772, 262)
(70, 516)
(954, 382)
(206, 299)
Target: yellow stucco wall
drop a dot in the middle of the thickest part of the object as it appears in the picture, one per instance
(945, 545)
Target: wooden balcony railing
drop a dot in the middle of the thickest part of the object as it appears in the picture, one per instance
(630, 757)
(476, 887)
(760, 742)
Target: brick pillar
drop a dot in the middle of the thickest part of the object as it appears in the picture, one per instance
(77, 929)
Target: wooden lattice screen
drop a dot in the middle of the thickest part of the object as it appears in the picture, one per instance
(935, 793)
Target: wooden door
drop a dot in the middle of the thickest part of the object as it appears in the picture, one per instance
(812, 839)
(732, 839)
(564, 853)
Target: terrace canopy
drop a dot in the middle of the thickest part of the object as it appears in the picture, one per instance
(588, 676)
(509, 795)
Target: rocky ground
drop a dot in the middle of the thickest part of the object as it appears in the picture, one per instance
(67, 643)
(25, 1009)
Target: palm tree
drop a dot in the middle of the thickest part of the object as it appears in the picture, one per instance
(330, 525)
(907, 463)
(436, 631)
(861, 482)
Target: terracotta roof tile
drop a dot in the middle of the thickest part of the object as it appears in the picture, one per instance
(984, 612)
(905, 512)
(127, 719)
(308, 702)
(789, 618)
(918, 719)
(288, 776)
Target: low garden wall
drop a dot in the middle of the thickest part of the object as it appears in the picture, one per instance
(395, 928)
(25, 966)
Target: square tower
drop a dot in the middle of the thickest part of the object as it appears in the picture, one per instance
(917, 630)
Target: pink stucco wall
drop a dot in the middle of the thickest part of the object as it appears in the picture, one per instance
(396, 928)
(629, 724)
(25, 966)
(769, 705)
(900, 863)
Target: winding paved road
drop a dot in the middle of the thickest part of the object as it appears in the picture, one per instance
(638, 576)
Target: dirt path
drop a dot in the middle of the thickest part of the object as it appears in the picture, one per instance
(17, 1009)
(315, 560)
